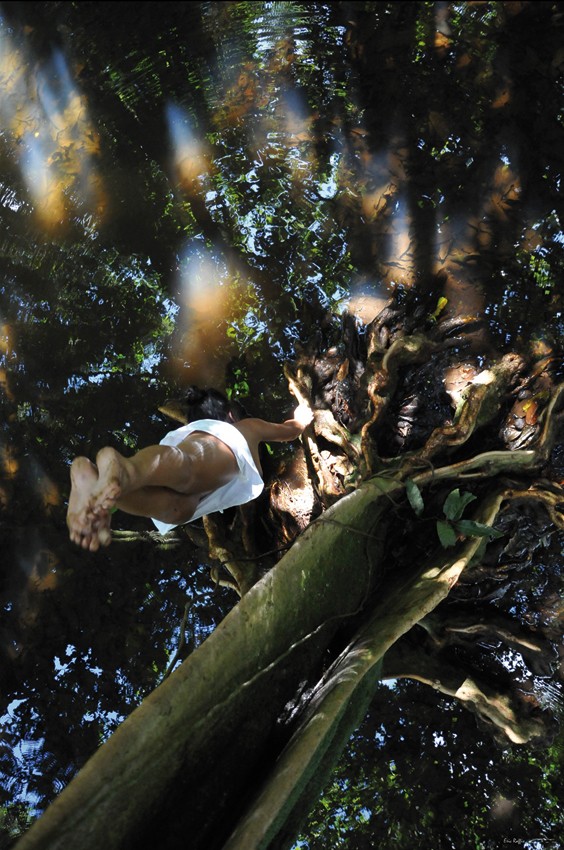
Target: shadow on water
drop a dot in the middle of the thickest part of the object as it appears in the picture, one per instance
(187, 191)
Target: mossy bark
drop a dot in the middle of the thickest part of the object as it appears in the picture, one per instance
(206, 745)
(197, 743)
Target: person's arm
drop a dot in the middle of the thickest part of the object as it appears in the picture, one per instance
(278, 432)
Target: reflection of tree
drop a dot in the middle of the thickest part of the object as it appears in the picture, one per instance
(46, 124)
(418, 772)
(333, 144)
(457, 148)
(366, 590)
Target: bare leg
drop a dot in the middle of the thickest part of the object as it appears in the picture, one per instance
(155, 466)
(196, 466)
(162, 503)
(164, 482)
(136, 485)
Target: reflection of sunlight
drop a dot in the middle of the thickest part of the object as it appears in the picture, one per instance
(327, 189)
(44, 486)
(505, 190)
(297, 121)
(43, 184)
(6, 339)
(399, 267)
(367, 300)
(383, 176)
(46, 126)
(201, 334)
(462, 239)
(9, 464)
(296, 117)
(209, 283)
(190, 159)
(5, 386)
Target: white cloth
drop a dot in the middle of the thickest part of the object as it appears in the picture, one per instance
(247, 485)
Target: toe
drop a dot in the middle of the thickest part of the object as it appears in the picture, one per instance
(76, 537)
(105, 537)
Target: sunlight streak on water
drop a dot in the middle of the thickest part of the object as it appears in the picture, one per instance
(367, 299)
(399, 259)
(190, 159)
(199, 342)
(47, 129)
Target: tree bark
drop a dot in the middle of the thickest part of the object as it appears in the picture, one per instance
(183, 762)
(208, 741)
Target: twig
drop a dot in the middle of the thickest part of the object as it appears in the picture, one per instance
(181, 643)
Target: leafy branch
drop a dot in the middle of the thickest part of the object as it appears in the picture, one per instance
(452, 526)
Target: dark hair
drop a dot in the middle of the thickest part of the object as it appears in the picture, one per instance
(211, 404)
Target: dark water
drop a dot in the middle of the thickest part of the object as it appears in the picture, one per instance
(186, 190)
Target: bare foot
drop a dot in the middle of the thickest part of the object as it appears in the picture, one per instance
(86, 529)
(103, 534)
(112, 476)
(84, 477)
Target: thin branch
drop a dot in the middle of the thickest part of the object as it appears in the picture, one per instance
(181, 642)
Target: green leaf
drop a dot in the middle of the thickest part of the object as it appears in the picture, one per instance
(476, 529)
(414, 496)
(455, 504)
(446, 532)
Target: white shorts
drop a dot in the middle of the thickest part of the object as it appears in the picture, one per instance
(247, 485)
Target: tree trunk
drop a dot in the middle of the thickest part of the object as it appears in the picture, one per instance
(209, 743)
(184, 761)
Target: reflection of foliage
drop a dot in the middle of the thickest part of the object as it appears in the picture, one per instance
(407, 781)
(79, 325)
(93, 660)
(335, 144)
(14, 821)
(540, 269)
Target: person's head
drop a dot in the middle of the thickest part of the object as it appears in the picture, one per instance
(211, 404)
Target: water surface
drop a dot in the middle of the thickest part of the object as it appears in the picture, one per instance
(186, 191)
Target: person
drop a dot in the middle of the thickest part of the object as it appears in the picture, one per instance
(210, 464)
